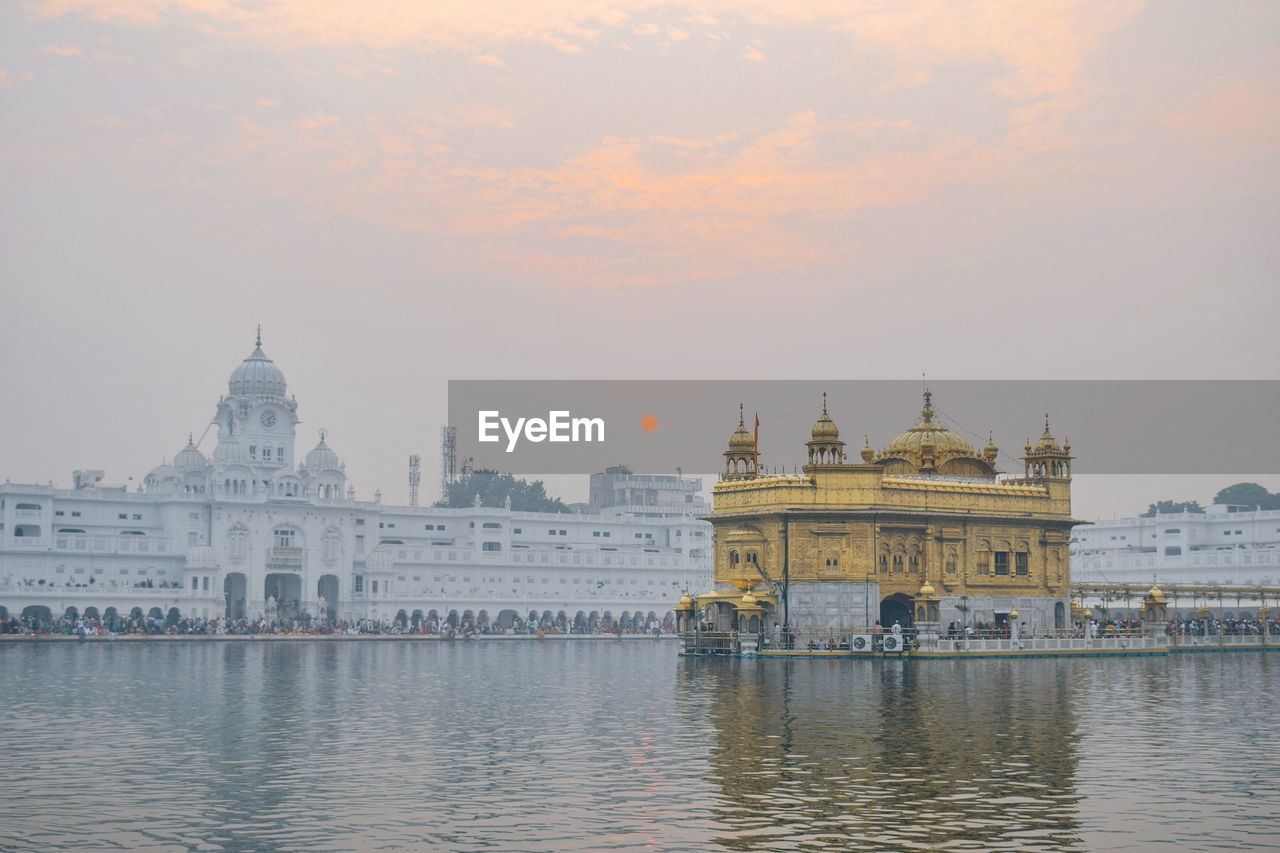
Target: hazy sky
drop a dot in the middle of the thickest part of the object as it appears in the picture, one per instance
(402, 193)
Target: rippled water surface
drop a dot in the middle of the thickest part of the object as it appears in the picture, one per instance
(623, 746)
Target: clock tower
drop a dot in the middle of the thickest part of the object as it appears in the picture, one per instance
(256, 421)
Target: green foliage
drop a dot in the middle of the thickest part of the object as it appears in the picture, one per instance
(1248, 494)
(494, 488)
(1166, 507)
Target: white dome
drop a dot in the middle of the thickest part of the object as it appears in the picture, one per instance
(257, 375)
(164, 472)
(201, 557)
(189, 459)
(230, 452)
(322, 458)
(379, 560)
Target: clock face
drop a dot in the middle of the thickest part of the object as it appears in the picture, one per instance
(268, 418)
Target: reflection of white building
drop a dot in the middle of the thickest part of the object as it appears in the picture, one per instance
(225, 534)
(1225, 545)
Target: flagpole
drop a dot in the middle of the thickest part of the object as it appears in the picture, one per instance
(755, 448)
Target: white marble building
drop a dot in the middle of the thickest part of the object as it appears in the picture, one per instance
(226, 534)
(1225, 545)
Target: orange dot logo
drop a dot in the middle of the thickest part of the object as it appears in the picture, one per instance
(648, 423)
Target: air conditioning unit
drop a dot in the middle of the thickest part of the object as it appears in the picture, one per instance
(861, 643)
(892, 643)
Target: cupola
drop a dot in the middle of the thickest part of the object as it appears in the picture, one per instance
(741, 459)
(257, 375)
(825, 446)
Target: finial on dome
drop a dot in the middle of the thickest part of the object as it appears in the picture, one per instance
(324, 433)
(741, 421)
(927, 411)
(258, 342)
(1046, 423)
(824, 402)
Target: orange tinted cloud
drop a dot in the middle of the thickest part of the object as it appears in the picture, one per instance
(628, 211)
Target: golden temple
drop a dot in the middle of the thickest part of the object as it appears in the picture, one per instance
(923, 532)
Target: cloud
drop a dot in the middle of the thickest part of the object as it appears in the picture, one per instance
(752, 52)
(5, 80)
(60, 50)
(266, 102)
(489, 60)
(313, 122)
(628, 211)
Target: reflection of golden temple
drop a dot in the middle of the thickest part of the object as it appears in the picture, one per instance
(924, 531)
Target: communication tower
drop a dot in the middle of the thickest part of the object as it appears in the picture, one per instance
(415, 478)
(448, 458)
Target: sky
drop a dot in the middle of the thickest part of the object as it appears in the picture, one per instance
(402, 193)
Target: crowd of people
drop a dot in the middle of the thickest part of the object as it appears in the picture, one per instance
(196, 625)
(1212, 627)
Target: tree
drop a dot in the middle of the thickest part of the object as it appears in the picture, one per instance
(1168, 507)
(495, 488)
(1248, 494)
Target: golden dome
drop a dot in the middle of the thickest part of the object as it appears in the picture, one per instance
(942, 440)
(1088, 614)
(825, 428)
(926, 590)
(748, 600)
(868, 453)
(1013, 614)
(989, 450)
(1155, 594)
(741, 438)
(686, 602)
(1047, 442)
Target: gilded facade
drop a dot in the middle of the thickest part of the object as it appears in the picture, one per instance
(924, 531)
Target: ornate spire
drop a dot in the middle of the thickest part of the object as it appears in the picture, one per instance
(258, 342)
(825, 446)
(927, 412)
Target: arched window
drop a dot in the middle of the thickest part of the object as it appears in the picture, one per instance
(897, 562)
(285, 537)
(237, 542)
(733, 558)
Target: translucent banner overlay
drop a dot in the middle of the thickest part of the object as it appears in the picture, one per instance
(656, 426)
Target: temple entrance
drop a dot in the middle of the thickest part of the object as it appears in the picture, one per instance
(235, 589)
(327, 588)
(286, 589)
(39, 615)
(896, 608)
(1059, 615)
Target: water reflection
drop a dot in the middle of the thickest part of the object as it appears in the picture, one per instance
(622, 746)
(863, 755)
